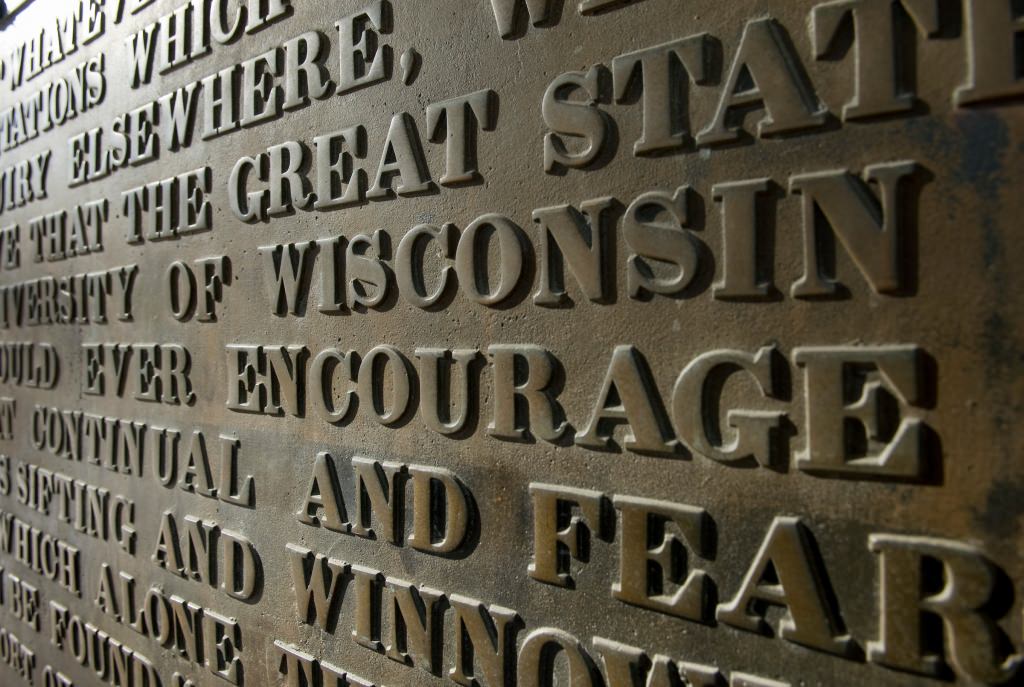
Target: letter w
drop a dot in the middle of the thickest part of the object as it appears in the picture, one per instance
(140, 49)
(507, 13)
(289, 283)
(315, 580)
(177, 110)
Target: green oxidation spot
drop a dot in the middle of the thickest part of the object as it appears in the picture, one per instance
(1004, 498)
(984, 142)
(984, 147)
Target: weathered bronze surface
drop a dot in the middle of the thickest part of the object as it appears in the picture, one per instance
(511, 342)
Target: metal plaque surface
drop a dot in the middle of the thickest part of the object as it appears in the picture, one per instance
(601, 343)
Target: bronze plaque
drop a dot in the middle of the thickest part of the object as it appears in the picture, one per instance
(589, 343)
